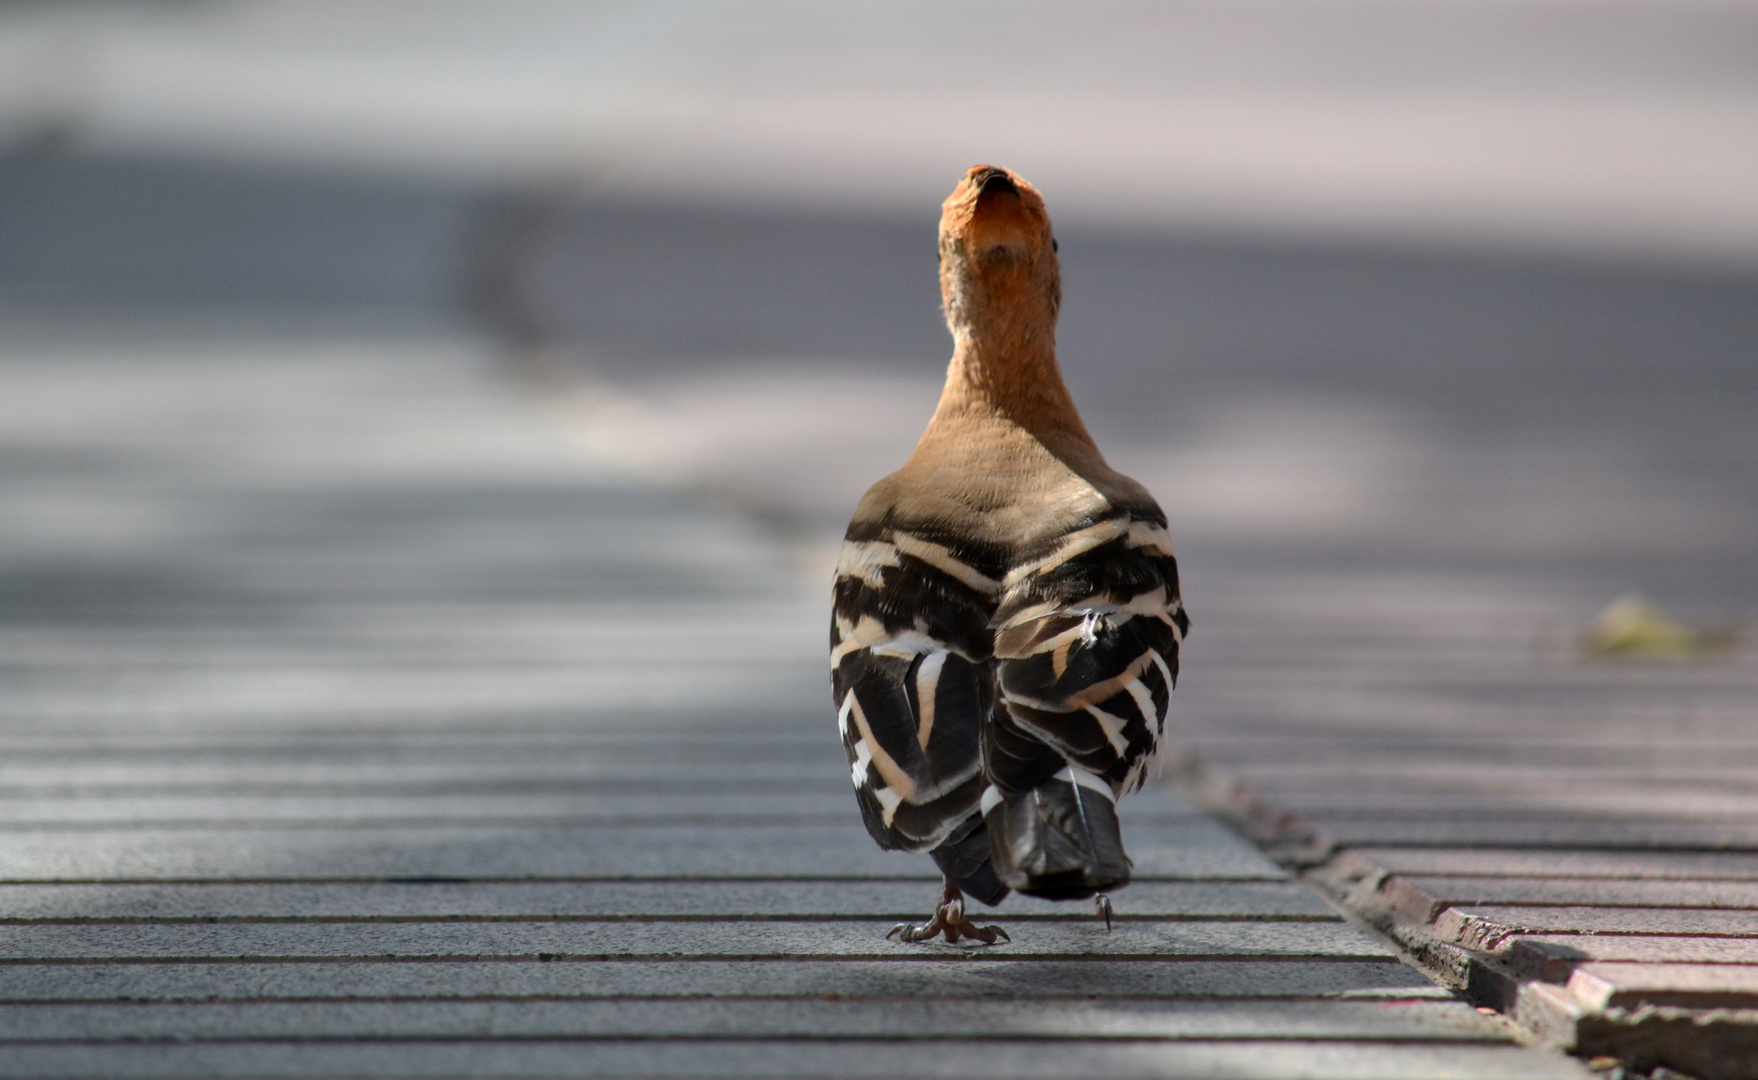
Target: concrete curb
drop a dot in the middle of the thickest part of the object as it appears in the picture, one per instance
(1557, 1006)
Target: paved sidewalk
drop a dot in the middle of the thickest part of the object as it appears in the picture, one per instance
(1574, 842)
(356, 722)
(1402, 486)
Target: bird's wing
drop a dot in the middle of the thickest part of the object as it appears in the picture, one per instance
(910, 668)
(1087, 635)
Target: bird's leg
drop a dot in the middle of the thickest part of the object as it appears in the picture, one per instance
(949, 919)
(1102, 905)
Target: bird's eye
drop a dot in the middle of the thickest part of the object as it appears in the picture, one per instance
(1054, 246)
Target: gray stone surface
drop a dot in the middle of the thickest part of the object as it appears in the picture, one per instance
(1027, 1058)
(853, 1017)
(932, 975)
(356, 722)
(642, 939)
(605, 900)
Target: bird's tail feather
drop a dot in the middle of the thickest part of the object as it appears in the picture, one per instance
(1059, 840)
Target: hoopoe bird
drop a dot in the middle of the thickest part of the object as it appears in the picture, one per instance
(1007, 618)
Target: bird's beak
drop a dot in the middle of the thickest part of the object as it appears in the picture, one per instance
(993, 181)
(1001, 229)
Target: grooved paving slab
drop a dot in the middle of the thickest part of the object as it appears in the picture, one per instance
(1600, 893)
(933, 974)
(492, 848)
(1641, 919)
(525, 901)
(640, 939)
(850, 1017)
(355, 724)
(1637, 866)
(880, 1059)
(1573, 841)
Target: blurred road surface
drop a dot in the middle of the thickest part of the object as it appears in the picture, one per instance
(1613, 127)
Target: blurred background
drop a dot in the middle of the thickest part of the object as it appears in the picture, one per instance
(1419, 285)
(427, 429)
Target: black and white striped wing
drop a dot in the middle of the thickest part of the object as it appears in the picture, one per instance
(909, 644)
(1086, 644)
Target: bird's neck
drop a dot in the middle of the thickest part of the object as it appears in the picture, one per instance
(1009, 376)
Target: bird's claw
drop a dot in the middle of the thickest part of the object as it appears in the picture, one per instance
(1103, 904)
(949, 919)
(988, 935)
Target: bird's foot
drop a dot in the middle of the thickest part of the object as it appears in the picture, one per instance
(949, 919)
(1102, 906)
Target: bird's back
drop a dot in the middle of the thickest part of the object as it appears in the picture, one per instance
(1006, 623)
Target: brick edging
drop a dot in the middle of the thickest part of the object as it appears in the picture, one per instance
(1481, 959)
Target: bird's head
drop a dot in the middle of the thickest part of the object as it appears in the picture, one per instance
(998, 270)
